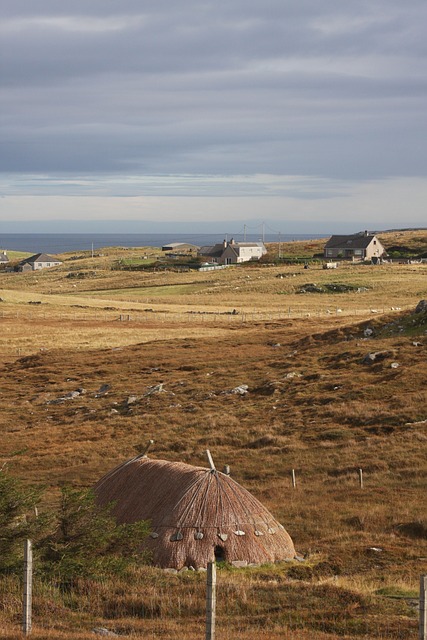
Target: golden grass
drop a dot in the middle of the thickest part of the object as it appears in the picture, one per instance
(312, 406)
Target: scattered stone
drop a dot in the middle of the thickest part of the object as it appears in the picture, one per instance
(368, 332)
(293, 374)
(239, 564)
(132, 400)
(158, 388)
(417, 344)
(170, 570)
(102, 631)
(68, 396)
(421, 306)
(395, 365)
(240, 390)
(375, 549)
(299, 558)
(102, 391)
(370, 358)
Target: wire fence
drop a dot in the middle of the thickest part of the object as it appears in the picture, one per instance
(195, 316)
(221, 604)
(153, 318)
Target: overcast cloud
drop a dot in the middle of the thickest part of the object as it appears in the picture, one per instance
(287, 110)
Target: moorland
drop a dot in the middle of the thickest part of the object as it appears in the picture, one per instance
(316, 403)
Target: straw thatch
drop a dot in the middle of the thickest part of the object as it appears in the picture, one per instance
(196, 514)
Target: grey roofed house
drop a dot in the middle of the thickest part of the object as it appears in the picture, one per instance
(3, 257)
(233, 252)
(38, 261)
(358, 246)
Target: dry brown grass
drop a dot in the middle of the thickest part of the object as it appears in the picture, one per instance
(312, 406)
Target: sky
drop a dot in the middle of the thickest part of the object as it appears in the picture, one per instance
(310, 116)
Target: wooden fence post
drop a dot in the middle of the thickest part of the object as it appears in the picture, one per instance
(360, 472)
(294, 480)
(28, 587)
(211, 601)
(423, 608)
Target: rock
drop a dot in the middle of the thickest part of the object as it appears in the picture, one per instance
(293, 374)
(417, 344)
(102, 631)
(158, 388)
(132, 400)
(170, 570)
(241, 390)
(421, 307)
(370, 358)
(395, 365)
(239, 564)
(103, 389)
(368, 332)
(68, 396)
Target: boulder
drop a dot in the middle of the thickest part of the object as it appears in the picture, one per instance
(421, 307)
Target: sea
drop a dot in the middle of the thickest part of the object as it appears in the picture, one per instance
(54, 243)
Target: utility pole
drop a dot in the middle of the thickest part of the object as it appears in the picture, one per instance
(244, 233)
(280, 247)
(263, 232)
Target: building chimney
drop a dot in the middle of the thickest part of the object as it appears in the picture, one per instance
(224, 243)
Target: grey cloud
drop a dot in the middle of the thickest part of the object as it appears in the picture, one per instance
(323, 88)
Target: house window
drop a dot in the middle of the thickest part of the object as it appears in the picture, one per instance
(375, 242)
(329, 252)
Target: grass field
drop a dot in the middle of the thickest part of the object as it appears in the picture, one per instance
(313, 405)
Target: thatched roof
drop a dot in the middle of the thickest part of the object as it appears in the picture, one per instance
(195, 513)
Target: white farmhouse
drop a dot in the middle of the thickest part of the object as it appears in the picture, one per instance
(233, 252)
(38, 261)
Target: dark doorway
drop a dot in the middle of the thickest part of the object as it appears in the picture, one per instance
(219, 554)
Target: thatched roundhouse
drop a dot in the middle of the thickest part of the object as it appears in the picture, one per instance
(197, 515)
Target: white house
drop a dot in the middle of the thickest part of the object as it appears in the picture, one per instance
(233, 252)
(38, 261)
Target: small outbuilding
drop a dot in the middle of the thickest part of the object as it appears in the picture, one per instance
(197, 515)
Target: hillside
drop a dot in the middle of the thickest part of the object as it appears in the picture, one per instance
(327, 393)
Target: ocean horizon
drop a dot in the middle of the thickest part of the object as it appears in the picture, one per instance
(54, 243)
